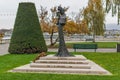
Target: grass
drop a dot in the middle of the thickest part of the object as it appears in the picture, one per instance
(100, 44)
(109, 61)
(13, 60)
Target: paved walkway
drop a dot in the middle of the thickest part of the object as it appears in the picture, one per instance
(87, 50)
(4, 49)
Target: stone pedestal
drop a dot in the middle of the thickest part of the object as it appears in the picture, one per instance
(67, 65)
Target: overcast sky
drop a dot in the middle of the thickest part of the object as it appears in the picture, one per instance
(10, 7)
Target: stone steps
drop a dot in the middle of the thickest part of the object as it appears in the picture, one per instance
(70, 65)
(46, 65)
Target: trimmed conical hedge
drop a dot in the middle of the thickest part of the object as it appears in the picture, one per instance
(27, 36)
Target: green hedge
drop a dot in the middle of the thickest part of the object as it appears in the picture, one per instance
(27, 36)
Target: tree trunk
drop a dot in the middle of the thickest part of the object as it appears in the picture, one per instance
(51, 39)
(53, 43)
(62, 51)
(93, 37)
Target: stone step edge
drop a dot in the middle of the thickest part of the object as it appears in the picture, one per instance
(61, 58)
(52, 57)
(62, 61)
(59, 70)
(35, 65)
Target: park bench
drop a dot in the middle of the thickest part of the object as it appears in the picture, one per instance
(84, 46)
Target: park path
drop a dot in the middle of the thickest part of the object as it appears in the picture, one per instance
(4, 49)
(103, 50)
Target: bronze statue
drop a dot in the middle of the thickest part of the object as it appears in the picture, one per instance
(62, 51)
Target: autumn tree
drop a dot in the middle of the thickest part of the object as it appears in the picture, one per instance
(76, 24)
(48, 24)
(94, 16)
(82, 27)
(53, 26)
(42, 16)
(72, 27)
(113, 5)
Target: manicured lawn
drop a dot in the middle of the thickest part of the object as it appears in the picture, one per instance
(109, 61)
(100, 44)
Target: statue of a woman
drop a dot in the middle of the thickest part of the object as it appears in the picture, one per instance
(62, 51)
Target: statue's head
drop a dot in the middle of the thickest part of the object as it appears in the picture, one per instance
(61, 10)
(61, 16)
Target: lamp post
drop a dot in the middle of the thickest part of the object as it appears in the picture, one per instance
(62, 51)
